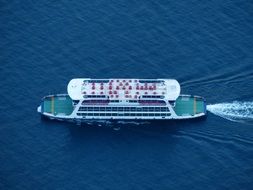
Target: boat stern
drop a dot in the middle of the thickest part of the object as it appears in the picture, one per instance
(56, 105)
(188, 106)
(39, 109)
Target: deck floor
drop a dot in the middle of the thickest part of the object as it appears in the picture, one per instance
(189, 106)
(58, 105)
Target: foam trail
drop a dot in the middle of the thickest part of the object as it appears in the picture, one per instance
(235, 111)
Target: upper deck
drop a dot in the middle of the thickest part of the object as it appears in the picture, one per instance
(123, 89)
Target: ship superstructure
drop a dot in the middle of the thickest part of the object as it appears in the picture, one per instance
(122, 99)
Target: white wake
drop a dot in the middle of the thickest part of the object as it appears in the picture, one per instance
(235, 111)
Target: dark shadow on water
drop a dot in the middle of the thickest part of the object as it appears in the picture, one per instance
(129, 129)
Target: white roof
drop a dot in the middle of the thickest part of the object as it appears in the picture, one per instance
(81, 88)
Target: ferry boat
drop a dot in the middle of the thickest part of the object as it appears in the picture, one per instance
(122, 99)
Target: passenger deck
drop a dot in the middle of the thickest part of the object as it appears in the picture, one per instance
(57, 105)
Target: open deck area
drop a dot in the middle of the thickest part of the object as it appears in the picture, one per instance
(57, 105)
(189, 105)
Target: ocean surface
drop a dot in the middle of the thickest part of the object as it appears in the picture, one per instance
(206, 45)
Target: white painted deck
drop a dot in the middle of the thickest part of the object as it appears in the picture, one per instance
(122, 89)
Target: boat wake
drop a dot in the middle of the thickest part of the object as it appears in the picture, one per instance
(235, 111)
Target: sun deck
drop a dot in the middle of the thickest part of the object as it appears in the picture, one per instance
(57, 105)
(123, 88)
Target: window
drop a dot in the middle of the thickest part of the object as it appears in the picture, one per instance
(150, 81)
(98, 81)
(96, 109)
(102, 108)
(114, 101)
(108, 109)
(82, 109)
(157, 109)
(120, 108)
(151, 109)
(127, 109)
(133, 108)
(94, 96)
(90, 108)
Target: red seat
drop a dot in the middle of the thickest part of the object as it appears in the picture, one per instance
(130, 87)
(115, 92)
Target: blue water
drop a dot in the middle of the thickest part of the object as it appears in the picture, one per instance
(206, 45)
